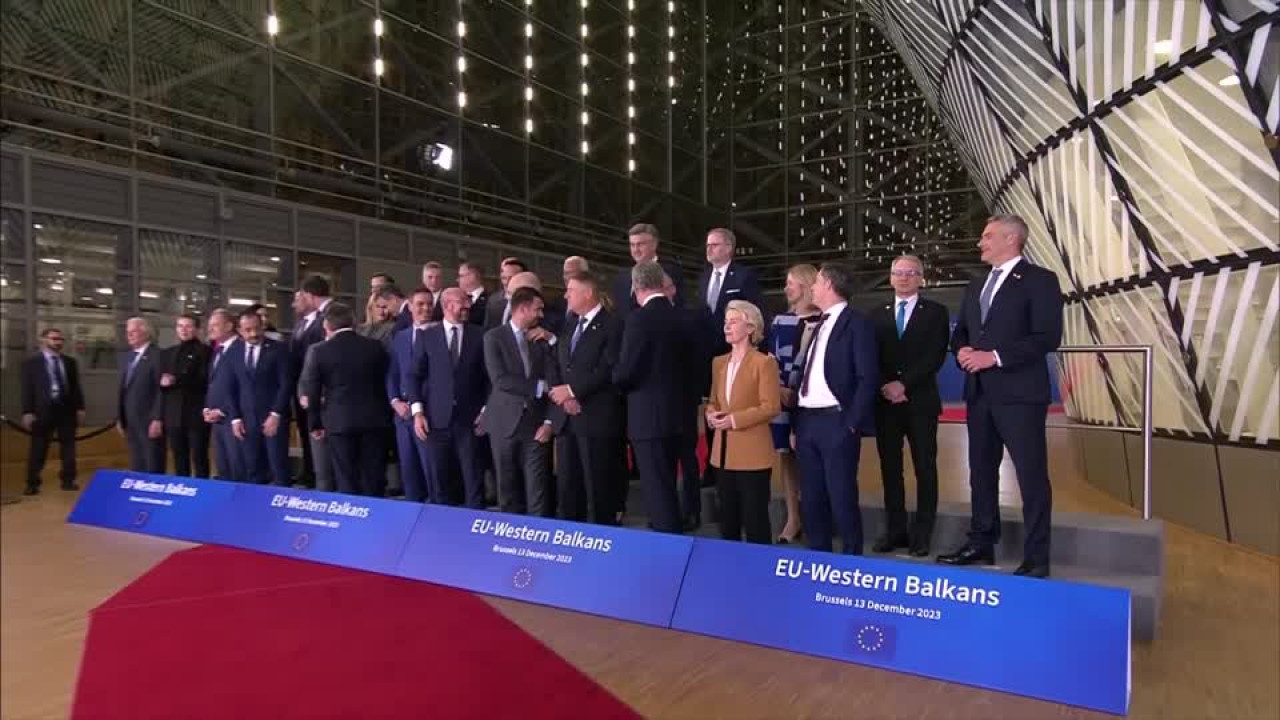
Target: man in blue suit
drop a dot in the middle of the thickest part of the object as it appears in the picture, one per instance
(724, 280)
(217, 410)
(406, 348)
(1009, 323)
(446, 390)
(837, 399)
(643, 239)
(261, 396)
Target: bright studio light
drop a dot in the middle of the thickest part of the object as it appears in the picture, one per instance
(273, 25)
(378, 27)
(379, 67)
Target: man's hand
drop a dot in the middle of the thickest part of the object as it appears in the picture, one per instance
(978, 360)
(401, 407)
(155, 430)
(543, 435)
(787, 395)
(572, 406)
(536, 334)
(27, 421)
(237, 429)
(793, 441)
(120, 428)
(963, 354)
(213, 415)
(271, 425)
(895, 392)
(304, 401)
(420, 426)
(480, 431)
(167, 380)
(559, 394)
(318, 434)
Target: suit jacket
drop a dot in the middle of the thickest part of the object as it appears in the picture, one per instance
(184, 401)
(403, 319)
(307, 377)
(351, 375)
(478, 314)
(448, 394)
(381, 332)
(738, 283)
(752, 402)
(221, 384)
(624, 302)
(140, 398)
(651, 374)
(267, 389)
(916, 357)
(495, 308)
(37, 385)
(299, 343)
(1024, 325)
(588, 371)
(514, 402)
(399, 357)
(852, 369)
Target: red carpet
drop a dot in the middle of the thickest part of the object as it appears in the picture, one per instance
(221, 633)
(958, 413)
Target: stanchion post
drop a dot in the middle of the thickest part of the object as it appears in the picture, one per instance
(1147, 368)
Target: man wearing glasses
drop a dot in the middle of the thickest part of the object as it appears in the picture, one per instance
(912, 334)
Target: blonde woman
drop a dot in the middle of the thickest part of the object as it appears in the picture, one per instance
(744, 398)
(788, 340)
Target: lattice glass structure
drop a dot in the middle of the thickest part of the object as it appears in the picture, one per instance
(1138, 139)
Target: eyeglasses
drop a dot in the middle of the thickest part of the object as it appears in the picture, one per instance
(905, 273)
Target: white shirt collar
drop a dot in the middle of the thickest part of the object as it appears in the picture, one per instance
(421, 327)
(476, 293)
(722, 269)
(591, 314)
(449, 326)
(515, 328)
(339, 332)
(49, 354)
(651, 297)
(833, 313)
(911, 300)
(231, 340)
(141, 350)
(1008, 265)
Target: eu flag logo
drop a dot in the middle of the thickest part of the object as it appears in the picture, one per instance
(872, 638)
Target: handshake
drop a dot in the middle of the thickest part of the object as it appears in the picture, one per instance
(561, 395)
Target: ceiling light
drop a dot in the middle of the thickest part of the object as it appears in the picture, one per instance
(106, 291)
(273, 25)
(148, 295)
(51, 260)
(377, 27)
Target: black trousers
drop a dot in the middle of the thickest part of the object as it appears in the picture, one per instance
(145, 454)
(690, 477)
(359, 461)
(190, 446)
(60, 423)
(1020, 428)
(586, 478)
(895, 423)
(744, 504)
(302, 422)
(655, 461)
(513, 458)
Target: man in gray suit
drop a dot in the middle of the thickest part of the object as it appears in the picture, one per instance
(516, 416)
(141, 406)
(308, 394)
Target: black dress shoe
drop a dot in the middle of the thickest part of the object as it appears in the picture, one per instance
(691, 523)
(1031, 569)
(888, 543)
(70, 486)
(969, 555)
(31, 490)
(919, 548)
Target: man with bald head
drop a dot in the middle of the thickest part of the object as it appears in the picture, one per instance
(141, 406)
(446, 388)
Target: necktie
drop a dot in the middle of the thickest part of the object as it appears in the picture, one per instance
(813, 350)
(133, 365)
(455, 348)
(714, 293)
(577, 335)
(902, 317)
(506, 313)
(984, 300)
(55, 373)
(523, 345)
(415, 346)
(217, 355)
(253, 358)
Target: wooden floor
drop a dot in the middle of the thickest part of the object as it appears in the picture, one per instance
(1217, 655)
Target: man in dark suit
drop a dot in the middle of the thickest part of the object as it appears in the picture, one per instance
(837, 397)
(695, 385)
(912, 335)
(724, 280)
(52, 405)
(1009, 322)
(433, 280)
(644, 240)
(516, 414)
(261, 397)
(587, 417)
(351, 374)
(446, 389)
(141, 412)
(498, 308)
(651, 375)
(217, 409)
(471, 282)
(557, 314)
(406, 349)
(184, 380)
(310, 303)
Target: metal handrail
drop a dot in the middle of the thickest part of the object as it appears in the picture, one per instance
(1147, 372)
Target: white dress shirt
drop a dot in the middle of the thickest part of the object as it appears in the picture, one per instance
(820, 394)
(417, 408)
(911, 307)
(475, 294)
(1006, 268)
(311, 316)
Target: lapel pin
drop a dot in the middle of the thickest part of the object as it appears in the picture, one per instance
(1016, 276)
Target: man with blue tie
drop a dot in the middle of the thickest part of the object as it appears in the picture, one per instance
(446, 389)
(261, 396)
(217, 409)
(1009, 323)
(724, 280)
(406, 349)
(141, 411)
(837, 397)
(52, 405)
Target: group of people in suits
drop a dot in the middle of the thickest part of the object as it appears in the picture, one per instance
(548, 409)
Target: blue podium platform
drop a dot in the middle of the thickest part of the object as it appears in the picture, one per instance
(1059, 641)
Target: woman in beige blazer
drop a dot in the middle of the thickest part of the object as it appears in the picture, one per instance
(744, 398)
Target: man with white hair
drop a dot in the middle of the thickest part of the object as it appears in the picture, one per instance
(141, 406)
(723, 280)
